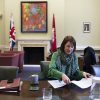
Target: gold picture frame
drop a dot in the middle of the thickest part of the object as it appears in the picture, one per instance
(34, 17)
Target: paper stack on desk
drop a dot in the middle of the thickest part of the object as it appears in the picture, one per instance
(83, 83)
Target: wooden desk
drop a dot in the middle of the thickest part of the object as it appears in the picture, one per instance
(65, 93)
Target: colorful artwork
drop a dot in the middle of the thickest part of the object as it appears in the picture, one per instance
(34, 17)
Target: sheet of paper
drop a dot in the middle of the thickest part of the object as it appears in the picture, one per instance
(2, 87)
(83, 83)
(57, 83)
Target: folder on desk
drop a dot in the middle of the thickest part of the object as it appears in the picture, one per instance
(8, 87)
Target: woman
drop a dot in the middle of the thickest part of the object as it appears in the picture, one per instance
(64, 64)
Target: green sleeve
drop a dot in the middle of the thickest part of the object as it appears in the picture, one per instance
(77, 75)
(53, 72)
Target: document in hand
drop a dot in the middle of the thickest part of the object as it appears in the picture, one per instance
(83, 83)
(57, 83)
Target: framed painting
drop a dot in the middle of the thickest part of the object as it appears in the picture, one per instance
(34, 17)
(86, 27)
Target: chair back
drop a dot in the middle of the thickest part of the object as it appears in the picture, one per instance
(89, 59)
(8, 73)
(44, 65)
(96, 69)
(21, 58)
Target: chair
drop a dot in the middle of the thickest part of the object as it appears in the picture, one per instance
(89, 59)
(21, 58)
(8, 73)
(99, 59)
(96, 69)
(44, 65)
(80, 62)
(9, 59)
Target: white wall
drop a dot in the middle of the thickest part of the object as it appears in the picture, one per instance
(54, 6)
(69, 15)
(79, 11)
(2, 32)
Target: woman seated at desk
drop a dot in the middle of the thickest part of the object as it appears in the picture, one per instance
(64, 63)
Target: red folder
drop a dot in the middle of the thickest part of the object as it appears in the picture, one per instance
(7, 87)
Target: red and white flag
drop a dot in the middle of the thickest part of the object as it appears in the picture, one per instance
(12, 34)
(53, 41)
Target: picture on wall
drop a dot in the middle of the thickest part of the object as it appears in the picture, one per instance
(34, 17)
(86, 27)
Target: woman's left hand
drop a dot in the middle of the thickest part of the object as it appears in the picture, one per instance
(86, 75)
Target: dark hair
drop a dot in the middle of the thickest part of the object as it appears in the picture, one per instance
(68, 39)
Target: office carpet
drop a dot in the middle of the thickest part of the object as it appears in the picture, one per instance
(28, 71)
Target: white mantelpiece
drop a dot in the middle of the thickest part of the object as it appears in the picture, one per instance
(34, 43)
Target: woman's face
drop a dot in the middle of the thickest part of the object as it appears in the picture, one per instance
(68, 48)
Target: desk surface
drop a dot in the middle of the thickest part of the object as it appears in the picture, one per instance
(71, 92)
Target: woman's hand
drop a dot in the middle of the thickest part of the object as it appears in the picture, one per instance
(86, 75)
(66, 79)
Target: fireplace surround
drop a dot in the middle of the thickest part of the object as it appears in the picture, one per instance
(34, 43)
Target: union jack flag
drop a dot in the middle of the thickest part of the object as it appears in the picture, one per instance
(12, 34)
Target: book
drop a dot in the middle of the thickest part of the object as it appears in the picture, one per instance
(5, 86)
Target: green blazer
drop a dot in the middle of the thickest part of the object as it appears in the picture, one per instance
(57, 68)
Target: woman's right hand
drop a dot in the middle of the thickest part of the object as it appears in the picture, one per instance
(66, 79)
